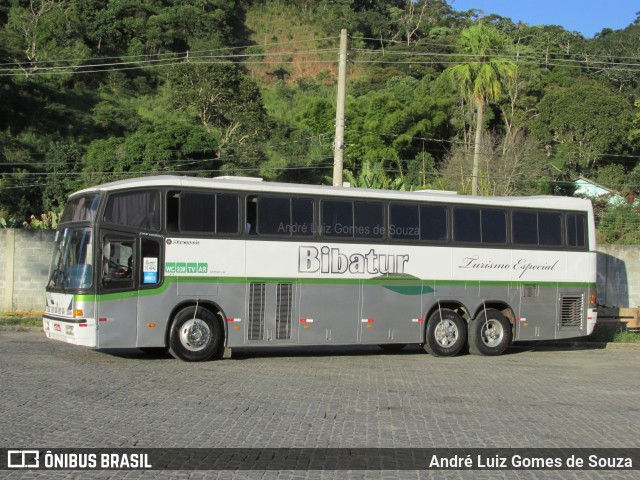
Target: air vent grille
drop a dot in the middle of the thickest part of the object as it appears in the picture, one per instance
(571, 310)
(283, 311)
(256, 311)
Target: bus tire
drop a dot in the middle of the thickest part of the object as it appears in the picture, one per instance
(445, 334)
(489, 333)
(195, 335)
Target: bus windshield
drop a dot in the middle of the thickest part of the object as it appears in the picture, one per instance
(72, 263)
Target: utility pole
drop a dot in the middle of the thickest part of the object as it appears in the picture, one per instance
(338, 144)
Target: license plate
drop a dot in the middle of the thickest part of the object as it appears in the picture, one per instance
(56, 327)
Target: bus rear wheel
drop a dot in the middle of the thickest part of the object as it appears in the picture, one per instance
(446, 333)
(195, 335)
(489, 333)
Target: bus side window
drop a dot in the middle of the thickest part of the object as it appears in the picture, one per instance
(173, 211)
(337, 218)
(197, 212)
(575, 230)
(550, 229)
(274, 216)
(404, 222)
(137, 209)
(302, 216)
(494, 226)
(117, 263)
(433, 223)
(251, 215)
(368, 220)
(466, 225)
(227, 214)
(525, 228)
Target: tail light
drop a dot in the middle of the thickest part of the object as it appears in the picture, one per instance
(593, 298)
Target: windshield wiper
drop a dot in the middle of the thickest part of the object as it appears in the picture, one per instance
(58, 277)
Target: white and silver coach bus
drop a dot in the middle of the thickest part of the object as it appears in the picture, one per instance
(200, 266)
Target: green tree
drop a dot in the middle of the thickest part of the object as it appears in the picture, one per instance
(399, 125)
(581, 123)
(614, 51)
(617, 223)
(223, 98)
(45, 30)
(167, 146)
(481, 77)
(299, 145)
(63, 164)
(373, 175)
(123, 27)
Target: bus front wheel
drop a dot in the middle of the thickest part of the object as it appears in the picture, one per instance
(195, 335)
(489, 333)
(445, 334)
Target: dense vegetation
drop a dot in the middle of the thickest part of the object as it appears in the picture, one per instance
(98, 90)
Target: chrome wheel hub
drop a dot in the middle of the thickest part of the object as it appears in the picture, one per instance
(492, 333)
(195, 335)
(446, 333)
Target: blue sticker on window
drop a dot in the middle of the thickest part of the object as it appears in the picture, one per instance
(150, 277)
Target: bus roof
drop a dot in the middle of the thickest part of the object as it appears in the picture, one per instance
(256, 185)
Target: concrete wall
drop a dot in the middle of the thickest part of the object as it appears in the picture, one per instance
(25, 257)
(24, 265)
(619, 275)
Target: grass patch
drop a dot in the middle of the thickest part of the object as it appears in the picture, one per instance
(20, 321)
(626, 336)
(613, 334)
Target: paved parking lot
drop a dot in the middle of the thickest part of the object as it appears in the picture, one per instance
(54, 395)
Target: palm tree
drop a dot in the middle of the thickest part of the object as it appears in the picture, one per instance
(482, 76)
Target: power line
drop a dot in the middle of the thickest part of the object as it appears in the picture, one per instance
(184, 53)
(443, 62)
(278, 58)
(514, 47)
(98, 64)
(131, 62)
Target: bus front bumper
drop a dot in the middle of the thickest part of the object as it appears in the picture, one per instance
(76, 331)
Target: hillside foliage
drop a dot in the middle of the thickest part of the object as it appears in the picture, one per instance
(98, 90)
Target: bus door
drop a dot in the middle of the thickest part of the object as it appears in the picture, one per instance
(152, 310)
(271, 310)
(117, 297)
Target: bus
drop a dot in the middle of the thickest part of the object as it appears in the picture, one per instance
(198, 267)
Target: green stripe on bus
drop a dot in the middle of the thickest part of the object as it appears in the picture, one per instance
(402, 284)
